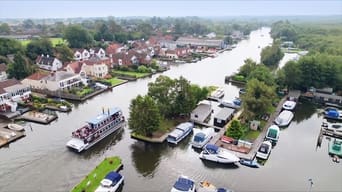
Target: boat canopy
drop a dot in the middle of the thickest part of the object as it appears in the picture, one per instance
(114, 177)
(199, 137)
(183, 184)
(272, 133)
(221, 190)
(185, 126)
(211, 148)
(264, 148)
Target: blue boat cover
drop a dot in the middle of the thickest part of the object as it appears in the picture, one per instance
(183, 184)
(113, 176)
(333, 113)
(237, 101)
(221, 190)
(212, 148)
(199, 137)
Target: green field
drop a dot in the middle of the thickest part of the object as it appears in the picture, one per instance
(114, 81)
(131, 73)
(54, 41)
(94, 178)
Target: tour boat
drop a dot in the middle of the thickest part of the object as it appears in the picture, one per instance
(284, 118)
(180, 132)
(96, 129)
(332, 129)
(184, 184)
(289, 105)
(217, 154)
(249, 162)
(272, 133)
(264, 150)
(203, 137)
(335, 147)
(15, 127)
(235, 103)
(111, 182)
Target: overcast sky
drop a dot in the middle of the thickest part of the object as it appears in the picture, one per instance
(162, 8)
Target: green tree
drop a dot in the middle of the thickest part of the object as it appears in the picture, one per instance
(271, 55)
(77, 37)
(262, 73)
(9, 46)
(247, 68)
(38, 47)
(293, 74)
(258, 99)
(144, 116)
(102, 33)
(235, 130)
(63, 52)
(20, 68)
(5, 29)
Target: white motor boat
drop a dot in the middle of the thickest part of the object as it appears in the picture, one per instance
(217, 154)
(15, 127)
(284, 118)
(235, 103)
(202, 138)
(272, 133)
(180, 132)
(264, 150)
(332, 129)
(289, 105)
(184, 184)
(111, 182)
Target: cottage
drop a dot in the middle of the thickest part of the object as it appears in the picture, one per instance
(81, 54)
(48, 63)
(223, 117)
(99, 52)
(11, 92)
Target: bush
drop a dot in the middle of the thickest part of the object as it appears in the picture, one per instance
(239, 78)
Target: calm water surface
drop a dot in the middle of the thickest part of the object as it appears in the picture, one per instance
(41, 162)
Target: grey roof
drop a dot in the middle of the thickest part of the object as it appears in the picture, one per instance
(224, 113)
(202, 111)
(44, 60)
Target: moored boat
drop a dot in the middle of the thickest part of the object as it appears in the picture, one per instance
(249, 163)
(180, 132)
(235, 103)
(217, 154)
(111, 182)
(272, 133)
(289, 105)
(96, 129)
(184, 184)
(332, 129)
(202, 138)
(15, 127)
(335, 147)
(264, 150)
(333, 113)
(217, 94)
(284, 118)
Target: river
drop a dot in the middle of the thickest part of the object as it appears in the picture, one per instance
(41, 162)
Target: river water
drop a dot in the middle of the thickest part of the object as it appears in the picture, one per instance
(41, 162)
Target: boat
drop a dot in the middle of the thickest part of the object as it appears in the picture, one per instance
(249, 163)
(264, 150)
(272, 133)
(332, 129)
(96, 129)
(15, 127)
(184, 184)
(180, 132)
(289, 105)
(202, 138)
(217, 94)
(242, 91)
(333, 113)
(284, 118)
(235, 103)
(335, 147)
(206, 186)
(111, 182)
(217, 154)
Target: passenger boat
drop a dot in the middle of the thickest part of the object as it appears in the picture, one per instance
(272, 133)
(217, 94)
(96, 129)
(111, 182)
(15, 127)
(203, 137)
(184, 184)
(332, 129)
(235, 103)
(335, 147)
(264, 150)
(284, 118)
(289, 105)
(217, 154)
(180, 132)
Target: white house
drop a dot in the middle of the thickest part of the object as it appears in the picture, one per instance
(48, 63)
(81, 54)
(101, 53)
(88, 68)
(54, 81)
(3, 74)
(11, 92)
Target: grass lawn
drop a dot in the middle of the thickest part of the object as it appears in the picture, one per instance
(131, 73)
(251, 135)
(97, 174)
(84, 92)
(114, 81)
(167, 124)
(54, 41)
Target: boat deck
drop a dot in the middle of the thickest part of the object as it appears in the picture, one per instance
(38, 117)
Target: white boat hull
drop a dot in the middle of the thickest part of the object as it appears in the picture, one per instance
(110, 189)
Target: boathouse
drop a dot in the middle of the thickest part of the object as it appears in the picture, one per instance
(223, 117)
(201, 113)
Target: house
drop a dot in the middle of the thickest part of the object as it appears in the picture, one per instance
(99, 52)
(94, 66)
(223, 117)
(48, 63)
(81, 54)
(115, 48)
(126, 58)
(54, 81)
(201, 113)
(11, 92)
(3, 74)
(171, 54)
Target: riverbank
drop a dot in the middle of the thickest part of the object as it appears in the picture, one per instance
(93, 179)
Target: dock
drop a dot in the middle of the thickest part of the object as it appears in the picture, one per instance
(38, 117)
(4, 141)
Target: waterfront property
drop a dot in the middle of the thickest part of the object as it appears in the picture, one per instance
(92, 181)
(180, 132)
(223, 117)
(202, 112)
(48, 63)
(96, 129)
(11, 92)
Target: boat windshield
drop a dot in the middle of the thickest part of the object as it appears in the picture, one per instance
(263, 148)
(199, 137)
(272, 133)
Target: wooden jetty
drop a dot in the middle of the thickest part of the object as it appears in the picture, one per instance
(4, 141)
(38, 117)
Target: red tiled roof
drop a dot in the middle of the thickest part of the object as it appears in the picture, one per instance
(76, 66)
(37, 75)
(7, 83)
(112, 48)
